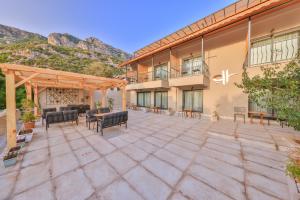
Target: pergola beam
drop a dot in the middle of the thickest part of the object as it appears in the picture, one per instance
(26, 80)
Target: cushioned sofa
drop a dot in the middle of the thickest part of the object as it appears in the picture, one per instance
(113, 119)
(61, 116)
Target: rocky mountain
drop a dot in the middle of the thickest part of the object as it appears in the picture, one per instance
(57, 51)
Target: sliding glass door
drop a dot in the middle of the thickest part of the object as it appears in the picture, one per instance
(161, 100)
(193, 100)
(144, 99)
(191, 66)
(160, 72)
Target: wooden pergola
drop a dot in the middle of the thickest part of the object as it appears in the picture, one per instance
(39, 79)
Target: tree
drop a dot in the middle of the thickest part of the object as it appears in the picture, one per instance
(276, 89)
(101, 69)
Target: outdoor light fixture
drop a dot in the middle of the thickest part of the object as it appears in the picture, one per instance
(223, 78)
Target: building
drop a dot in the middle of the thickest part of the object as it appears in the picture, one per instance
(197, 66)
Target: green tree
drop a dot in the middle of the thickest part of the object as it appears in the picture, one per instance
(277, 89)
(101, 69)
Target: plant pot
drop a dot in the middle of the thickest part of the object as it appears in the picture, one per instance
(25, 131)
(10, 159)
(21, 142)
(29, 125)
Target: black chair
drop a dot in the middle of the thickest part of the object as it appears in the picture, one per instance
(104, 110)
(64, 108)
(45, 111)
(89, 117)
(54, 117)
(113, 119)
(70, 116)
(239, 111)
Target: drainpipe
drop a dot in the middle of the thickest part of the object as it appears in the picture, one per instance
(249, 42)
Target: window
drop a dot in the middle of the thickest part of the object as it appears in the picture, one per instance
(191, 66)
(193, 100)
(278, 48)
(143, 99)
(160, 72)
(161, 100)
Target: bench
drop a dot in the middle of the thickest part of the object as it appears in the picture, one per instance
(113, 119)
(61, 116)
(45, 111)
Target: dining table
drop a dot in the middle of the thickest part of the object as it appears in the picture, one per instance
(261, 116)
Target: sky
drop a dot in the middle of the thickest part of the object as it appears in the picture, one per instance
(125, 24)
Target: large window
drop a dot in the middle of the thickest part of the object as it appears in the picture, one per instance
(144, 99)
(191, 66)
(193, 100)
(160, 72)
(274, 49)
(161, 100)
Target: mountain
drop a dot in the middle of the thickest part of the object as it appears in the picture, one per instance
(57, 51)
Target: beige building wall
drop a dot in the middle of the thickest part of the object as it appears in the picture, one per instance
(226, 49)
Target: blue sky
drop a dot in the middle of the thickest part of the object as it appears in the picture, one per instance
(126, 24)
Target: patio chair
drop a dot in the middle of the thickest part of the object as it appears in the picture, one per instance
(240, 111)
(64, 108)
(45, 111)
(89, 117)
(104, 110)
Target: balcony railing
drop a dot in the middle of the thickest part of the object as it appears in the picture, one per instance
(148, 76)
(199, 69)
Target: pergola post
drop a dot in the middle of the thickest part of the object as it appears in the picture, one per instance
(36, 100)
(91, 94)
(28, 91)
(103, 99)
(123, 98)
(11, 119)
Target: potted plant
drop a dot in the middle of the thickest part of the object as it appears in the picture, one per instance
(10, 159)
(110, 103)
(98, 104)
(215, 115)
(28, 117)
(27, 133)
(293, 170)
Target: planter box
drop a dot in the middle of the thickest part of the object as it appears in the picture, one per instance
(10, 161)
(27, 134)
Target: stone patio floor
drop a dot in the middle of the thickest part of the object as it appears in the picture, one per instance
(156, 157)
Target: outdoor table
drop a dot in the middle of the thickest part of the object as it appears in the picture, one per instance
(100, 115)
(261, 116)
(188, 113)
(156, 109)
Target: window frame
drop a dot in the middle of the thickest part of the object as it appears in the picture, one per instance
(137, 100)
(161, 100)
(183, 100)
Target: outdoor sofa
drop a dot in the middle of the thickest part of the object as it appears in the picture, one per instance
(112, 119)
(61, 116)
(45, 111)
(89, 117)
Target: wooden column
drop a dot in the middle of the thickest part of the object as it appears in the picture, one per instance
(11, 119)
(123, 98)
(36, 100)
(91, 94)
(103, 97)
(28, 91)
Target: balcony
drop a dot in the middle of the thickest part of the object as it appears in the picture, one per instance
(189, 75)
(148, 80)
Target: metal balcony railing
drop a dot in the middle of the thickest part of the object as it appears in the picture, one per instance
(148, 76)
(193, 70)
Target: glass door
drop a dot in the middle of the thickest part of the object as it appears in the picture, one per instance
(161, 100)
(193, 100)
(160, 72)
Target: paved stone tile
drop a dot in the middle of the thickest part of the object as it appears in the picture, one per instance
(178, 196)
(129, 138)
(228, 186)
(267, 185)
(271, 173)
(265, 153)
(155, 141)
(134, 152)
(100, 173)
(62, 164)
(43, 191)
(225, 142)
(34, 157)
(222, 149)
(180, 151)
(147, 185)
(118, 142)
(187, 138)
(73, 185)
(194, 189)
(149, 148)
(56, 140)
(121, 162)
(177, 161)
(164, 137)
(72, 136)
(221, 167)
(265, 161)
(163, 170)
(60, 149)
(32, 176)
(6, 184)
(100, 144)
(78, 143)
(254, 194)
(86, 155)
(119, 190)
(187, 145)
(34, 145)
(233, 160)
